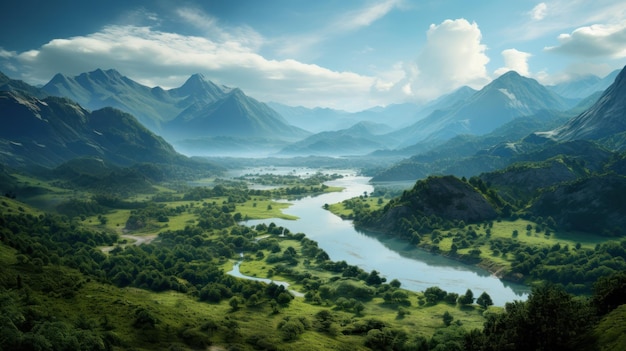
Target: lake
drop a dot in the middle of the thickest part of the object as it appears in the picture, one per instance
(416, 269)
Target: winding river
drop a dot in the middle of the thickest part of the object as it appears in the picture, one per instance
(416, 269)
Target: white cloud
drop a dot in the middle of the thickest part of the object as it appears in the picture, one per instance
(241, 35)
(598, 40)
(514, 60)
(562, 15)
(167, 59)
(365, 16)
(453, 56)
(297, 45)
(7, 54)
(539, 12)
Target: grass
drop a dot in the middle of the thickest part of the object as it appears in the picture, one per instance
(371, 202)
(262, 208)
(611, 331)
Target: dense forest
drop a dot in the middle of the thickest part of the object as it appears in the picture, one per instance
(75, 281)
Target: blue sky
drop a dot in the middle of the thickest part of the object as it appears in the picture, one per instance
(342, 54)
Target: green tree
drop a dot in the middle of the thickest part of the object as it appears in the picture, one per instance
(467, 299)
(234, 303)
(484, 300)
(447, 318)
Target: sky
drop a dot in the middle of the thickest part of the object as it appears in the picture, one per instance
(349, 55)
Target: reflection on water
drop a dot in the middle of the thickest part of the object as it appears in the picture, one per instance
(394, 259)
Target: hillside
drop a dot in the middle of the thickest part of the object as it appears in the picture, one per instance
(360, 139)
(603, 120)
(446, 198)
(50, 131)
(234, 114)
(508, 97)
(593, 204)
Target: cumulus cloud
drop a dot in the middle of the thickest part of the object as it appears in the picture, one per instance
(514, 60)
(167, 59)
(598, 40)
(453, 56)
(539, 12)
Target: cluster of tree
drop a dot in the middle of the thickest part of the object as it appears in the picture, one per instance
(290, 179)
(435, 294)
(550, 319)
(140, 218)
(576, 268)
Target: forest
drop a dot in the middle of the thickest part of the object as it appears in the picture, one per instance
(74, 279)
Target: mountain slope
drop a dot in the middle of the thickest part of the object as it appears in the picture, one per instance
(506, 98)
(605, 118)
(584, 86)
(360, 139)
(8, 84)
(50, 131)
(99, 88)
(197, 109)
(234, 115)
(447, 198)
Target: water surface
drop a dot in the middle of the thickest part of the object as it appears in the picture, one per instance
(416, 269)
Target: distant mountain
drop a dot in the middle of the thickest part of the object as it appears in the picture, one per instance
(395, 115)
(50, 131)
(197, 109)
(98, 89)
(233, 114)
(360, 139)
(606, 118)
(469, 155)
(8, 84)
(506, 98)
(314, 119)
(584, 86)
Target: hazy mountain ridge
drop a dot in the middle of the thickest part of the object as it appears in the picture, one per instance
(50, 131)
(360, 139)
(602, 120)
(584, 86)
(605, 118)
(504, 99)
(197, 109)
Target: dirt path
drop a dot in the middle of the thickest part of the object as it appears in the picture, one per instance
(136, 240)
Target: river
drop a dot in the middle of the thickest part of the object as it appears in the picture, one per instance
(416, 269)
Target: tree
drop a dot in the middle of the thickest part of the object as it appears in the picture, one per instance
(484, 300)
(374, 279)
(234, 303)
(447, 318)
(359, 307)
(467, 299)
(609, 292)
(395, 283)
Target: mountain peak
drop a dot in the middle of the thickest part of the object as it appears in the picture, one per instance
(197, 84)
(603, 119)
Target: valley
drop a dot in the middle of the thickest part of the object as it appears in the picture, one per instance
(446, 228)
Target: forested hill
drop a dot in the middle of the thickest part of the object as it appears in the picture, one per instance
(432, 201)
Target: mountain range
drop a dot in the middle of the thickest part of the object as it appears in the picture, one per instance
(197, 109)
(52, 130)
(519, 139)
(605, 118)
(204, 118)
